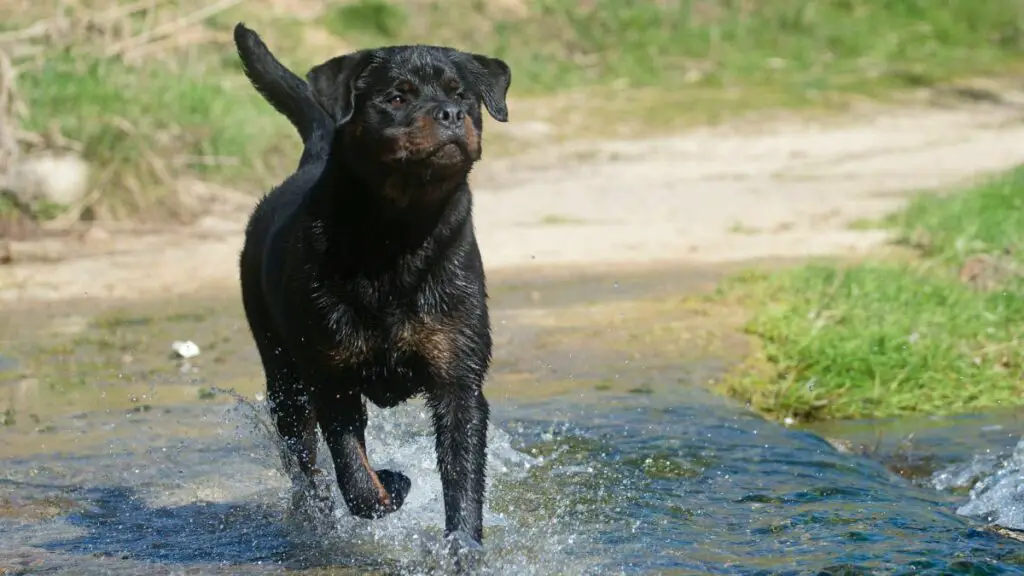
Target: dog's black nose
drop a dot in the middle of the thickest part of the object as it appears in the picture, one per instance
(449, 115)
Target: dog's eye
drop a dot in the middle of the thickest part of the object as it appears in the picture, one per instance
(396, 100)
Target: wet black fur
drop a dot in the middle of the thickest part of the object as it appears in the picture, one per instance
(357, 246)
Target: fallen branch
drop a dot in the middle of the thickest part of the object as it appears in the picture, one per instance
(36, 30)
(9, 148)
(123, 11)
(170, 27)
(44, 27)
(171, 43)
(185, 159)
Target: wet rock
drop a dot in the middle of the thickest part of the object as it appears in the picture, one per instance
(843, 446)
(1007, 532)
(36, 508)
(904, 461)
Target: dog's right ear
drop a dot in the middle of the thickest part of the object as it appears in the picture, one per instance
(334, 81)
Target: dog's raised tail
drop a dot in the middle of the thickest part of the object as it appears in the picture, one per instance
(284, 90)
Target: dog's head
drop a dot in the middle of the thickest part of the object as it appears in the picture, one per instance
(413, 110)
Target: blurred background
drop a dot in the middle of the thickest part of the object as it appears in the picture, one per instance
(149, 96)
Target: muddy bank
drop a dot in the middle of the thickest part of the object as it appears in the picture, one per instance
(739, 191)
(555, 336)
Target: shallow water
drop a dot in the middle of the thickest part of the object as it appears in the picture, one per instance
(603, 460)
(661, 483)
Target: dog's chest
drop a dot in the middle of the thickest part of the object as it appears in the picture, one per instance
(391, 337)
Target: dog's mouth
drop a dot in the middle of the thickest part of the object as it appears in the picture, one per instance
(429, 149)
(447, 152)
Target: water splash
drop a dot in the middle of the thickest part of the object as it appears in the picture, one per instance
(624, 485)
(409, 540)
(996, 487)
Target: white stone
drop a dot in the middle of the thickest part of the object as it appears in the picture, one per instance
(187, 349)
(59, 178)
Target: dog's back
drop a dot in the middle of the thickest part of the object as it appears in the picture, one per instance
(292, 97)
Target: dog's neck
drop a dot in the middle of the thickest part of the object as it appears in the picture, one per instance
(387, 195)
(385, 216)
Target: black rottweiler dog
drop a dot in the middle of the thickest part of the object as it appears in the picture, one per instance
(361, 276)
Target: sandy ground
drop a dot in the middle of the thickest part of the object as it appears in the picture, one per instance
(729, 193)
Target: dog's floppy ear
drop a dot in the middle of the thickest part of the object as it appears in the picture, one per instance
(333, 83)
(492, 78)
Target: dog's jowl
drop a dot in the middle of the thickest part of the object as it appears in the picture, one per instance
(361, 277)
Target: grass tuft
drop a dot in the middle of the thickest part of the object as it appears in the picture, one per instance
(144, 125)
(880, 339)
(793, 45)
(372, 19)
(187, 111)
(953, 228)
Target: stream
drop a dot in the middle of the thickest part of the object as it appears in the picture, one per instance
(606, 456)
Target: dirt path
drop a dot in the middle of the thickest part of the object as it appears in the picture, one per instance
(728, 193)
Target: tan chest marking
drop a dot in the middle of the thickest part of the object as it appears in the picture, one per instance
(432, 338)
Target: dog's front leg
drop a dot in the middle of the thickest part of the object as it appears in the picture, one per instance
(368, 493)
(460, 416)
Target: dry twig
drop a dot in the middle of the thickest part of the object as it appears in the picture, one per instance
(8, 113)
(169, 28)
(37, 30)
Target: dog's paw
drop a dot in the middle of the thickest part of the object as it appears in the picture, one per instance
(397, 485)
(465, 552)
(366, 502)
(310, 505)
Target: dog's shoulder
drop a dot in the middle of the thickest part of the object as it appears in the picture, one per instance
(281, 202)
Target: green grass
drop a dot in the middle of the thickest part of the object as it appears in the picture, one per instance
(953, 228)
(796, 46)
(372, 19)
(641, 63)
(144, 125)
(884, 338)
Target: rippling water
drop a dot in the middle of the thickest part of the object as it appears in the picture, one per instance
(995, 480)
(665, 483)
